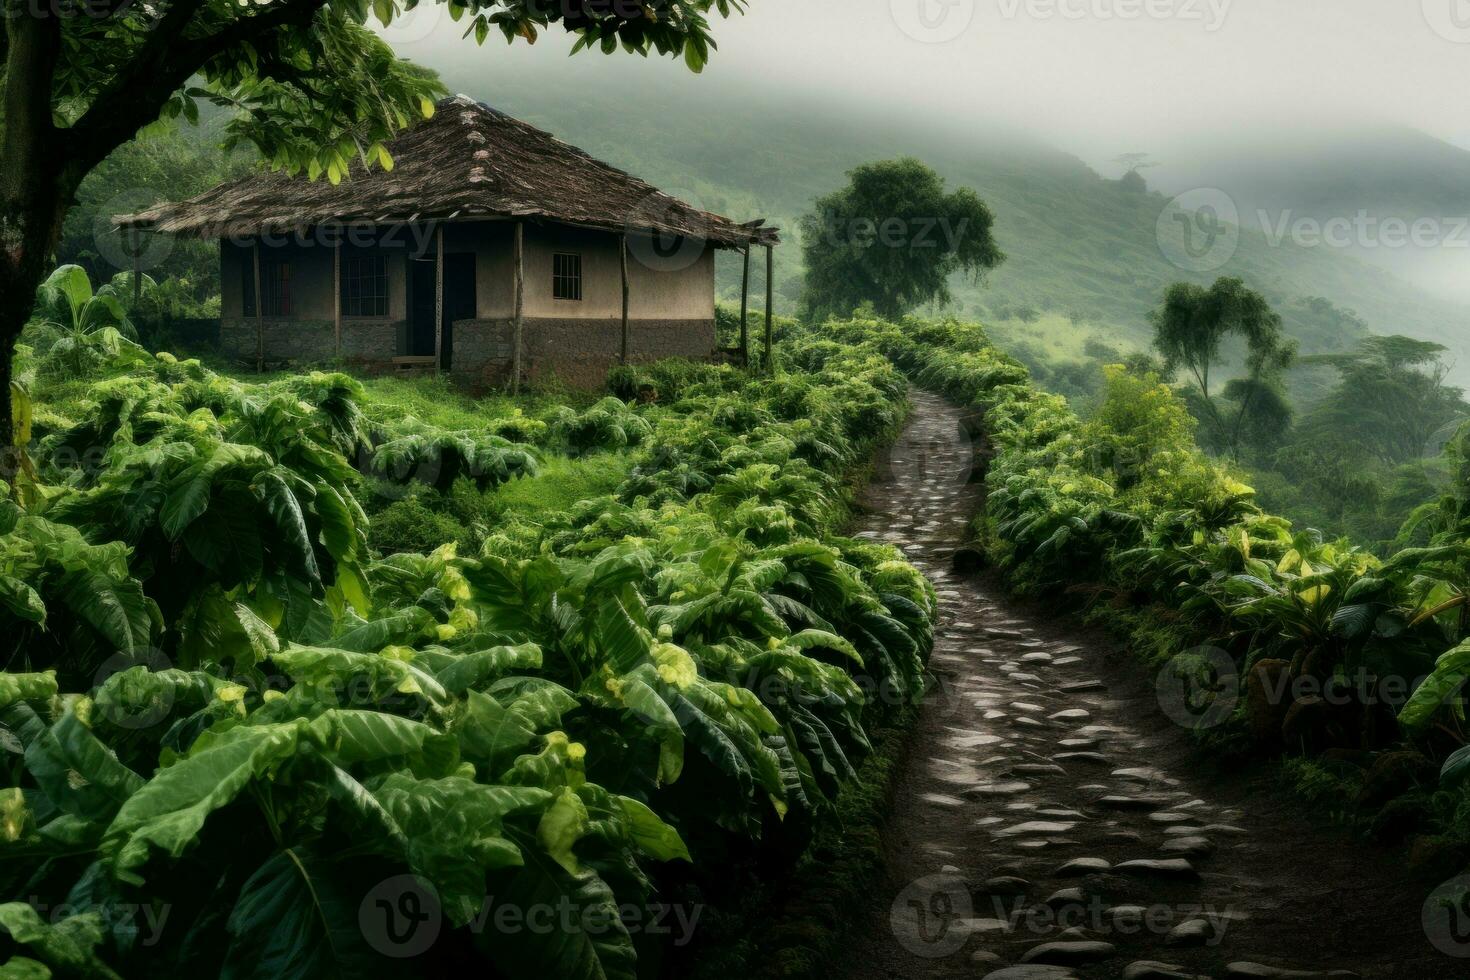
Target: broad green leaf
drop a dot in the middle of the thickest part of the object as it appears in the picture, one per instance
(349, 737)
(78, 773)
(603, 951)
(473, 670)
(296, 918)
(654, 837)
(1456, 768)
(168, 812)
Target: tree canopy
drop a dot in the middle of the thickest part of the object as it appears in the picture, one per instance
(891, 239)
(1190, 327)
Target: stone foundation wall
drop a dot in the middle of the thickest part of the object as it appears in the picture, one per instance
(482, 350)
(575, 352)
(366, 343)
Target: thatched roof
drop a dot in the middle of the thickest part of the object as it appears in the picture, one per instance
(467, 162)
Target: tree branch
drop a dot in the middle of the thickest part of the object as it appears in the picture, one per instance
(163, 65)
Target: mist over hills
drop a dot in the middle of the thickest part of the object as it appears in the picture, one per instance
(1363, 175)
(1078, 244)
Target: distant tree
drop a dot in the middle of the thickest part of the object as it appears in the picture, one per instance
(1134, 162)
(1133, 166)
(1390, 404)
(1189, 329)
(306, 82)
(892, 238)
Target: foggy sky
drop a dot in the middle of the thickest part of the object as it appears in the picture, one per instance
(1094, 77)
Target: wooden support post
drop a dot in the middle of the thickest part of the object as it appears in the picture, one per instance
(745, 309)
(623, 249)
(438, 299)
(137, 250)
(337, 294)
(520, 308)
(770, 307)
(259, 315)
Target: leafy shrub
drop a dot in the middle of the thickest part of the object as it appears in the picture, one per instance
(234, 695)
(409, 525)
(608, 425)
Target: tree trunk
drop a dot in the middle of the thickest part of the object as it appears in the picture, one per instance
(28, 239)
(37, 183)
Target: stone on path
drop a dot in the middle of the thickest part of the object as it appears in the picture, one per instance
(1069, 953)
(1066, 896)
(1189, 846)
(1037, 827)
(1005, 886)
(1006, 788)
(1096, 758)
(1154, 970)
(1259, 971)
(1191, 932)
(1071, 714)
(1079, 687)
(1168, 868)
(1032, 971)
(1172, 817)
(1082, 866)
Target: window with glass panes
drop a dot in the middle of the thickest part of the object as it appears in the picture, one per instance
(566, 276)
(365, 285)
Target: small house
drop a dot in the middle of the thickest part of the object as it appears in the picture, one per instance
(491, 250)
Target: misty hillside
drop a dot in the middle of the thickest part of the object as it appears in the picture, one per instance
(1383, 171)
(1079, 245)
